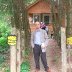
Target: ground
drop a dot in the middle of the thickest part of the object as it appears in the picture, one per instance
(53, 58)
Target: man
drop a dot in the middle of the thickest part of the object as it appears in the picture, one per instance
(39, 41)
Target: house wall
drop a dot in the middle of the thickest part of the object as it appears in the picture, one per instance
(50, 27)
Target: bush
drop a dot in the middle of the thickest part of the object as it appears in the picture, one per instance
(2, 59)
(25, 66)
(7, 69)
(4, 32)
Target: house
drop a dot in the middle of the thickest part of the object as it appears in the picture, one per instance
(40, 11)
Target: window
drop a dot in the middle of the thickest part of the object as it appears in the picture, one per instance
(46, 18)
(36, 17)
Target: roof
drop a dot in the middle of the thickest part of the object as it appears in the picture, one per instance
(33, 4)
(39, 6)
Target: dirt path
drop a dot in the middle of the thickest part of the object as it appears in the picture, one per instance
(53, 58)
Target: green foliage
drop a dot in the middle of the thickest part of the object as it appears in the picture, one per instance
(2, 59)
(5, 7)
(2, 41)
(25, 66)
(4, 32)
(28, 2)
(4, 47)
(7, 69)
(27, 52)
(4, 67)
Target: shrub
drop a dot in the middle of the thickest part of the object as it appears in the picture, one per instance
(4, 32)
(25, 66)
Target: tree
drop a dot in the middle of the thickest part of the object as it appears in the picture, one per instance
(5, 29)
(20, 22)
(66, 13)
(14, 13)
(60, 28)
(69, 30)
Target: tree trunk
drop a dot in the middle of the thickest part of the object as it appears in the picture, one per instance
(69, 29)
(69, 20)
(55, 21)
(21, 23)
(18, 51)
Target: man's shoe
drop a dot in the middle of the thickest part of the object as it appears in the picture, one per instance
(37, 70)
(48, 70)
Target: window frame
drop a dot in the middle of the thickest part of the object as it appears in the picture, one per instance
(46, 15)
(34, 17)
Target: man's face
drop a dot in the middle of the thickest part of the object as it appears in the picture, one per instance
(37, 25)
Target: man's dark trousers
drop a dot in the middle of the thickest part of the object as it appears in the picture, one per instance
(37, 53)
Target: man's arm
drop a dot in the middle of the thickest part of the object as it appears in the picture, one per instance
(46, 38)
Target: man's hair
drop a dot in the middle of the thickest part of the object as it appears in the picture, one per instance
(37, 22)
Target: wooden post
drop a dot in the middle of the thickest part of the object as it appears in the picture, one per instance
(63, 49)
(18, 51)
(13, 54)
